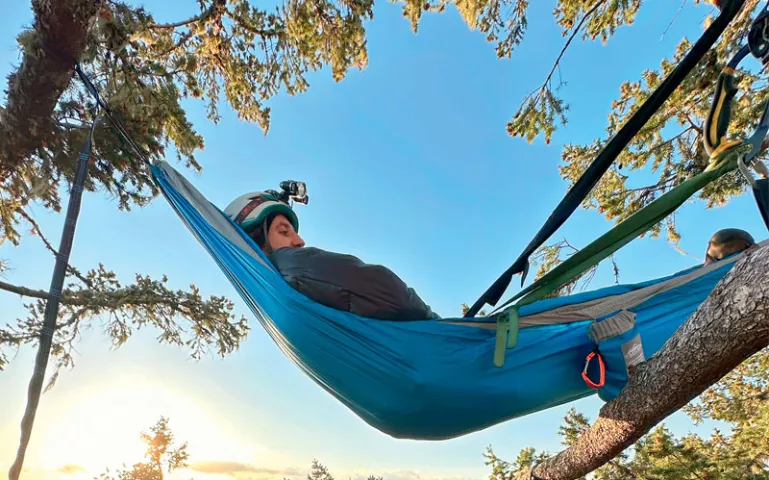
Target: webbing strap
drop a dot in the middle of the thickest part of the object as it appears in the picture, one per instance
(630, 228)
(54, 296)
(761, 194)
(610, 152)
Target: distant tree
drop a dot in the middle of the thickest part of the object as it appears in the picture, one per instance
(161, 458)
(318, 471)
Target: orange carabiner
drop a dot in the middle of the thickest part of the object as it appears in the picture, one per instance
(601, 369)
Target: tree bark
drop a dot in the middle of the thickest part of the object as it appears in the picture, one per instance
(58, 38)
(729, 327)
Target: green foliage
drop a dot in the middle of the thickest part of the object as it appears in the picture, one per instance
(161, 457)
(124, 309)
(670, 144)
(465, 308)
(541, 108)
(741, 400)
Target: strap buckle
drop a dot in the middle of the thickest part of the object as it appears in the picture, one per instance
(759, 167)
(601, 369)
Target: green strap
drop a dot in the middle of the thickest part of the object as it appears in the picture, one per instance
(724, 160)
(632, 227)
(507, 334)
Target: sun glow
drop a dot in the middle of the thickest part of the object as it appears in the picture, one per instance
(99, 427)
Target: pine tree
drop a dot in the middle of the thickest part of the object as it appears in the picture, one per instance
(161, 458)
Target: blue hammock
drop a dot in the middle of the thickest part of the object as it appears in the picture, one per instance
(435, 379)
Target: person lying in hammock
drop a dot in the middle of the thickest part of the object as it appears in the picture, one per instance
(336, 280)
(727, 242)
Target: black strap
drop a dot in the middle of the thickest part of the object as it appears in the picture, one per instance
(610, 152)
(54, 297)
(761, 194)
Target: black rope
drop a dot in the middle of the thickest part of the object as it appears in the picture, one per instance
(54, 294)
(110, 116)
(610, 152)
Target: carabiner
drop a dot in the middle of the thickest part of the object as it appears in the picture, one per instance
(601, 370)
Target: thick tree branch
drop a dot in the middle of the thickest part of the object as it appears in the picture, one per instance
(729, 327)
(58, 38)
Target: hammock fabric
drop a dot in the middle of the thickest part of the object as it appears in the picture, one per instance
(434, 379)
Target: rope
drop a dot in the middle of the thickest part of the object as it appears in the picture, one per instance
(110, 116)
(54, 293)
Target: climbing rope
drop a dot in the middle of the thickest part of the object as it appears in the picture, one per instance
(576, 194)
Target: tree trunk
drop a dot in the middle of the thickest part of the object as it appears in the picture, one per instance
(729, 327)
(58, 38)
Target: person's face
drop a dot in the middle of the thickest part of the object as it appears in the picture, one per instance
(282, 234)
(717, 252)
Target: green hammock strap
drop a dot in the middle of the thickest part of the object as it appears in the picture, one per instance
(598, 167)
(723, 162)
(634, 226)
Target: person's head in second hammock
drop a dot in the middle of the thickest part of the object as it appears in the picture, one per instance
(727, 242)
(271, 223)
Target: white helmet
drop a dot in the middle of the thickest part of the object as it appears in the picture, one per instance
(251, 209)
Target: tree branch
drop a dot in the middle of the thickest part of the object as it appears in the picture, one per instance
(563, 51)
(114, 300)
(729, 327)
(57, 39)
(571, 37)
(36, 229)
(243, 23)
(198, 18)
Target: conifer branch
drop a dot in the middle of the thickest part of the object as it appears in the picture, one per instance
(556, 64)
(36, 229)
(243, 23)
(205, 15)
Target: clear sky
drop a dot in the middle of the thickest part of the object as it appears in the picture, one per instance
(408, 165)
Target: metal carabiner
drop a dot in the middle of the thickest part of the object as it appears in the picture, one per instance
(601, 370)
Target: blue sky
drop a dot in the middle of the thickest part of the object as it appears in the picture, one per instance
(408, 165)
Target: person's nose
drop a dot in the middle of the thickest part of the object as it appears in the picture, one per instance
(297, 241)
